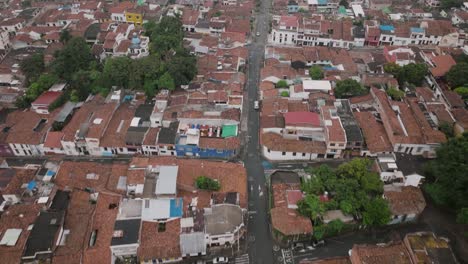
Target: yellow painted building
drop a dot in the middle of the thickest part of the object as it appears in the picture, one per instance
(134, 16)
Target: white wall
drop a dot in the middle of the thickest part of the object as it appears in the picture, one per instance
(414, 149)
(27, 150)
(278, 155)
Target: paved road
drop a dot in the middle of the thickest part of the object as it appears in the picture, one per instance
(260, 242)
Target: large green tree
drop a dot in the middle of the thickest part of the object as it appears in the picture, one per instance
(311, 207)
(458, 75)
(75, 55)
(412, 73)
(448, 177)
(166, 82)
(182, 67)
(447, 4)
(117, 71)
(316, 72)
(376, 213)
(32, 67)
(349, 88)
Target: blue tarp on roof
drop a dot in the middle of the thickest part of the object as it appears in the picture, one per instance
(31, 185)
(417, 30)
(50, 173)
(322, 2)
(387, 27)
(176, 207)
(329, 68)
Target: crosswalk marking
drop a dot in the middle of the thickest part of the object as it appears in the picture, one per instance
(244, 259)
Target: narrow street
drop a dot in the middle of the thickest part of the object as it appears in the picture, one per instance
(260, 244)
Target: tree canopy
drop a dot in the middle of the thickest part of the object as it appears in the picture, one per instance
(76, 55)
(205, 183)
(32, 67)
(462, 91)
(282, 84)
(412, 73)
(458, 75)
(349, 88)
(354, 188)
(395, 93)
(316, 72)
(447, 4)
(376, 212)
(448, 177)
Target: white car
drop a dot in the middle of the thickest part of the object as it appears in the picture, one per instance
(220, 260)
(256, 105)
(258, 34)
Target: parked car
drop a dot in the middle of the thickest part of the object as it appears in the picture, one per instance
(258, 34)
(220, 260)
(256, 105)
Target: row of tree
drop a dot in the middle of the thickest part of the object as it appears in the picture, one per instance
(448, 178)
(354, 189)
(168, 66)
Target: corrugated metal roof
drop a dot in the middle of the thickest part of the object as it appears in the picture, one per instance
(167, 180)
(10, 237)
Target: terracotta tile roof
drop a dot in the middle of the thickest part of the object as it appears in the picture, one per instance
(462, 14)
(104, 113)
(461, 116)
(203, 198)
(76, 174)
(361, 99)
(233, 36)
(123, 46)
(268, 94)
(232, 176)
(239, 26)
(103, 223)
(77, 220)
(440, 111)
(116, 131)
(305, 118)
(373, 254)
(17, 216)
(266, 85)
(81, 116)
(280, 193)
(405, 200)
(155, 244)
(289, 221)
(334, 130)
(274, 106)
(136, 176)
(31, 130)
(297, 106)
(53, 140)
(455, 100)
(121, 7)
(374, 132)
(439, 27)
(443, 63)
(430, 135)
(150, 137)
(272, 121)
(288, 21)
(277, 143)
(47, 98)
(232, 143)
(217, 96)
(425, 93)
(190, 16)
